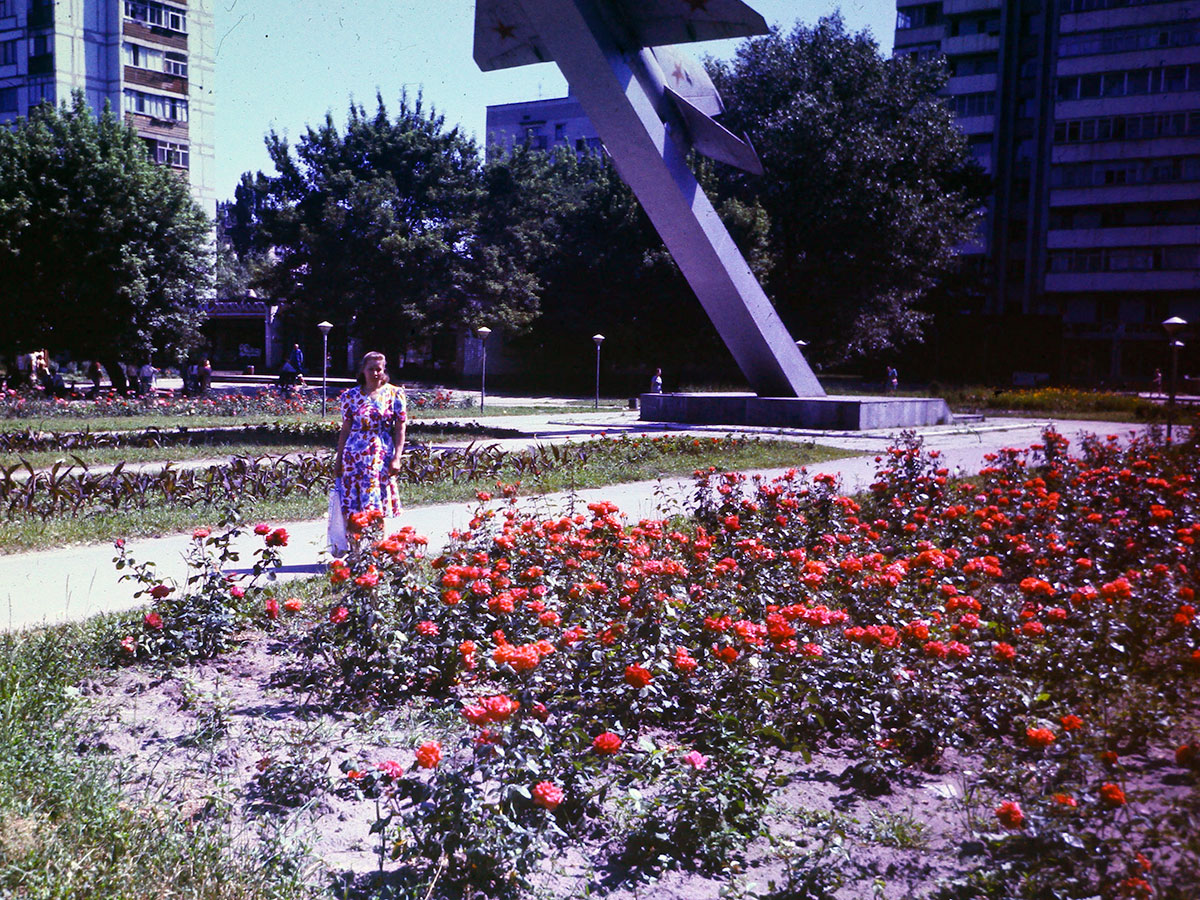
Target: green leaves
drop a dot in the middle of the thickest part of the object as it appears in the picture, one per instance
(101, 252)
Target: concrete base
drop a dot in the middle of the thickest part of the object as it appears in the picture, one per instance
(826, 413)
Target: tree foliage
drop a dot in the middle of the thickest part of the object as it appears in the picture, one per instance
(102, 253)
(868, 185)
(394, 225)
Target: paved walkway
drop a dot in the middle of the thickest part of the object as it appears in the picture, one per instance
(76, 582)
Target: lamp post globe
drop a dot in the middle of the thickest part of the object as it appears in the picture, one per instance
(324, 328)
(483, 332)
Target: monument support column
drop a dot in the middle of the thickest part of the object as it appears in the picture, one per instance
(618, 92)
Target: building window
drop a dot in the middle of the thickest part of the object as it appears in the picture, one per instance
(176, 64)
(167, 153)
(966, 105)
(172, 108)
(41, 44)
(8, 53)
(8, 100)
(6, 8)
(918, 16)
(158, 15)
(142, 57)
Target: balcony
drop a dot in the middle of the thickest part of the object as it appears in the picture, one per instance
(1171, 192)
(161, 37)
(961, 7)
(1143, 282)
(971, 44)
(159, 80)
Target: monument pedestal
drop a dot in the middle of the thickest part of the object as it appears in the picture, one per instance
(825, 413)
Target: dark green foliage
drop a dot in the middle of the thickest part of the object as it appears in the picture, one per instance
(102, 253)
(868, 184)
(391, 223)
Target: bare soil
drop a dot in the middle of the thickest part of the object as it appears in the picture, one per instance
(194, 742)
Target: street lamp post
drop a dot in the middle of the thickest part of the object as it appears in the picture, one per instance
(483, 331)
(599, 339)
(324, 328)
(1173, 326)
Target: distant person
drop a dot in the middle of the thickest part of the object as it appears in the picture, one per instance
(296, 358)
(94, 374)
(288, 376)
(51, 380)
(656, 382)
(146, 377)
(1158, 381)
(205, 376)
(892, 380)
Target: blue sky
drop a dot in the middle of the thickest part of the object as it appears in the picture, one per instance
(283, 64)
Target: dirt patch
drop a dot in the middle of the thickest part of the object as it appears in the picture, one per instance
(243, 736)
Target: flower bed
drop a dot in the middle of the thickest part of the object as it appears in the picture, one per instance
(1039, 619)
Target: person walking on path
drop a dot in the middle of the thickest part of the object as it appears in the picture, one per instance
(656, 382)
(371, 441)
(296, 358)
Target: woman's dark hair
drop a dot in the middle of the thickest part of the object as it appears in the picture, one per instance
(365, 361)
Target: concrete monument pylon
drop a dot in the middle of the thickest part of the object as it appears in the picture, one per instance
(650, 104)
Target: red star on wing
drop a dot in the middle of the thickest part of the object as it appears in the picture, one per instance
(506, 31)
(679, 74)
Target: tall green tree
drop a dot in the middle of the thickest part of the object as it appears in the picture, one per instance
(102, 253)
(393, 226)
(868, 188)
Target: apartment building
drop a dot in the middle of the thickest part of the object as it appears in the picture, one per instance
(151, 60)
(542, 125)
(1087, 115)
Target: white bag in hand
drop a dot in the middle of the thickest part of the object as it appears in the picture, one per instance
(338, 543)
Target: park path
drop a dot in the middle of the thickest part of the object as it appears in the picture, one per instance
(76, 582)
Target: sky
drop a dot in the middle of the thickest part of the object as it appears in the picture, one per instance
(284, 64)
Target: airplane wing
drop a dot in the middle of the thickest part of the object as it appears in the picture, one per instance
(504, 36)
(714, 140)
(687, 78)
(658, 22)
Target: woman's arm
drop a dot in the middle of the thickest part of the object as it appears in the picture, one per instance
(401, 431)
(342, 435)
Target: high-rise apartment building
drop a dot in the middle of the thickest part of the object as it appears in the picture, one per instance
(152, 61)
(1086, 113)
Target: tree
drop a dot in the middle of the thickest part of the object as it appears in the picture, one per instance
(102, 253)
(868, 185)
(393, 225)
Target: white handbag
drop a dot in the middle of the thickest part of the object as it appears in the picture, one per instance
(338, 543)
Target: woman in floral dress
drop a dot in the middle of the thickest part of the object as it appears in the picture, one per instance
(371, 441)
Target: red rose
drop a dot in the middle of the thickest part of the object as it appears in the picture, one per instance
(262, 528)
(339, 615)
(547, 795)
(391, 768)
(201, 533)
(429, 755)
(1112, 795)
(154, 621)
(293, 604)
(606, 744)
(1071, 722)
(277, 538)
(428, 629)
(272, 606)
(159, 591)
(1039, 737)
(637, 676)
(1010, 815)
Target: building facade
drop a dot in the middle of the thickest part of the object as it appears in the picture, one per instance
(1086, 113)
(150, 60)
(541, 125)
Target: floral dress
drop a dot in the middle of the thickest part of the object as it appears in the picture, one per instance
(369, 449)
